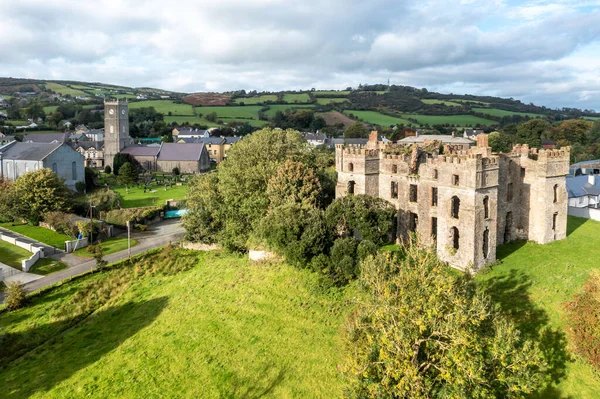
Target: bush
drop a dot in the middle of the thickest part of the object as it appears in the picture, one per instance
(120, 217)
(343, 261)
(105, 200)
(83, 226)
(175, 171)
(584, 316)
(80, 187)
(107, 169)
(61, 222)
(15, 296)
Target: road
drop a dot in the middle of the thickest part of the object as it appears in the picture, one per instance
(158, 235)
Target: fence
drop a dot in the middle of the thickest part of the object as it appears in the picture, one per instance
(71, 246)
(38, 252)
(588, 213)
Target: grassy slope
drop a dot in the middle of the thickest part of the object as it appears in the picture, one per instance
(256, 100)
(38, 233)
(376, 118)
(63, 90)
(225, 329)
(110, 246)
(324, 100)
(459, 120)
(325, 93)
(282, 107)
(12, 255)
(164, 107)
(137, 198)
(292, 98)
(501, 112)
(534, 281)
(448, 103)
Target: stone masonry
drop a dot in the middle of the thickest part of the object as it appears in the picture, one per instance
(462, 203)
(116, 129)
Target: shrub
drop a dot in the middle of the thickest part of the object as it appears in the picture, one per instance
(61, 222)
(80, 187)
(105, 200)
(120, 217)
(176, 171)
(83, 226)
(366, 248)
(15, 296)
(343, 260)
(107, 169)
(584, 316)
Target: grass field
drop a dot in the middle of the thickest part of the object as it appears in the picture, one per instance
(109, 246)
(283, 107)
(64, 90)
(256, 100)
(136, 197)
(50, 109)
(12, 255)
(164, 107)
(326, 93)
(377, 118)
(47, 236)
(296, 98)
(447, 103)
(592, 118)
(189, 119)
(226, 328)
(457, 120)
(469, 101)
(47, 266)
(533, 282)
(501, 112)
(324, 100)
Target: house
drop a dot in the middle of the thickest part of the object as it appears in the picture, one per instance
(591, 167)
(457, 143)
(3, 116)
(95, 134)
(92, 152)
(6, 139)
(548, 144)
(45, 138)
(17, 158)
(190, 133)
(77, 137)
(584, 196)
(346, 142)
(189, 157)
(315, 139)
(141, 97)
(472, 133)
(32, 125)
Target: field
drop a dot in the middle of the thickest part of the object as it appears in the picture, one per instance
(283, 107)
(533, 282)
(64, 90)
(109, 246)
(164, 107)
(12, 255)
(501, 112)
(256, 100)
(334, 117)
(47, 236)
(447, 103)
(326, 93)
(469, 101)
(324, 100)
(226, 328)
(189, 119)
(456, 120)
(136, 197)
(377, 118)
(592, 118)
(296, 98)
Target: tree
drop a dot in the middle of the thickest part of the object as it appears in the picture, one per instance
(205, 217)
(40, 192)
(294, 183)
(35, 111)
(211, 117)
(119, 160)
(499, 142)
(15, 295)
(424, 331)
(8, 200)
(128, 174)
(356, 130)
(98, 253)
(531, 132)
(107, 169)
(175, 171)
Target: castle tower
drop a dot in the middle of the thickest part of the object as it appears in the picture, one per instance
(116, 129)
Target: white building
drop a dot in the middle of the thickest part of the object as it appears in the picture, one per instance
(584, 196)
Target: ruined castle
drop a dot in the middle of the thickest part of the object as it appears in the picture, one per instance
(462, 202)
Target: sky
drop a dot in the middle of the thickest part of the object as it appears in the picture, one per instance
(544, 52)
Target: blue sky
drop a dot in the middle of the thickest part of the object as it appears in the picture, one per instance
(545, 52)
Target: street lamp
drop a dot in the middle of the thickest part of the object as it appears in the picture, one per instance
(91, 223)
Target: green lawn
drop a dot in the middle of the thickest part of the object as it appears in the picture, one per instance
(12, 255)
(189, 119)
(38, 233)
(326, 93)
(592, 118)
(377, 118)
(226, 328)
(256, 100)
(110, 246)
(501, 112)
(324, 101)
(533, 282)
(164, 107)
(448, 103)
(284, 107)
(46, 266)
(50, 109)
(296, 98)
(457, 120)
(136, 197)
(63, 90)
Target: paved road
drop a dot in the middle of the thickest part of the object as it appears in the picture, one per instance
(158, 235)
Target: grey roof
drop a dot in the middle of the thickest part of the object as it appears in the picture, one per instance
(440, 137)
(45, 137)
(231, 140)
(546, 141)
(341, 140)
(180, 152)
(473, 132)
(88, 144)
(593, 163)
(191, 132)
(7, 139)
(141, 151)
(205, 140)
(579, 186)
(28, 151)
(314, 136)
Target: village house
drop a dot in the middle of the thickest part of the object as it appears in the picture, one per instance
(584, 196)
(457, 143)
(45, 137)
(92, 152)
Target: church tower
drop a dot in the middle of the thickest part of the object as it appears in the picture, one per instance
(116, 129)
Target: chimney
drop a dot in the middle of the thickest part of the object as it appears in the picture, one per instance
(453, 134)
(592, 180)
(374, 136)
(482, 140)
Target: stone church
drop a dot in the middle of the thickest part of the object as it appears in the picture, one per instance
(188, 158)
(464, 203)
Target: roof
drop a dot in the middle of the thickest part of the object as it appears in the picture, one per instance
(579, 186)
(28, 151)
(86, 145)
(180, 152)
(546, 141)
(45, 137)
(231, 140)
(205, 140)
(141, 151)
(314, 136)
(473, 132)
(440, 137)
(593, 163)
(336, 141)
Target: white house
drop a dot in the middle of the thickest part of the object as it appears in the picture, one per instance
(584, 196)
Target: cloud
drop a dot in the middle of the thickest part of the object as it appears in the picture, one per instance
(540, 51)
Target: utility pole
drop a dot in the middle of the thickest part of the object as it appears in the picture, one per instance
(129, 239)
(91, 225)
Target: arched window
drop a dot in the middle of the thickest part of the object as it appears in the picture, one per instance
(486, 244)
(394, 168)
(350, 167)
(454, 207)
(112, 129)
(555, 193)
(507, 227)
(486, 207)
(455, 238)
(435, 174)
(351, 185)
(509, 192)
(74, 170)
(394, 189)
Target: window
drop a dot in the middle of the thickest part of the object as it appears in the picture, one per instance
(123, 129)
(434, 196)
(350, 167)
(394, 189)
(454, 207)
(74, 170)
(509, 192)
(413, 220)
(351, 185)
(581, 200)
(455, 238)
(507, 227)
(522, 172)
(434, 228)
(54, 168)
(554, 220)
(112, 129)
(486, 207)
(455, 180)
(394, 168)
(555, 193)
(486, 239)
(435, 174)
(413, 193)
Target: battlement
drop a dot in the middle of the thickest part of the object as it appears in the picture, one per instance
(552, 155)
(115, 102)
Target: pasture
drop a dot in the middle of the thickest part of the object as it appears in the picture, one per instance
(164, 107)
(377, 118)
(325, 100)
(501, 112)
(296, 98)
(327, 93)
(456, 120)
(273, 108)
(64, 90)
(256, 100)
(137, 198)
(592, 118)
(191, 119)
(447, 103)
